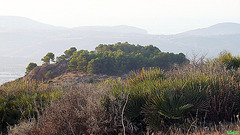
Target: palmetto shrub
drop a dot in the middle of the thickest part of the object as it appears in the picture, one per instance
(159, 98)
(165, 109)
(181, 100)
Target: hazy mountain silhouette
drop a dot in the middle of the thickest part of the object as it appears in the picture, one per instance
(25, 38)
(22, 23)
(113, 29)
(215, 30)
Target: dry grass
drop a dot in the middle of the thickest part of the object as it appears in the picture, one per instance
(90, 109)
(78, 111)
(220, 129)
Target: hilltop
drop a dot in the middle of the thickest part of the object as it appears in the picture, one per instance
(61, 75)
(112, 60)
(23, 37)
(151, 100)
(23, 40)
(215, 30)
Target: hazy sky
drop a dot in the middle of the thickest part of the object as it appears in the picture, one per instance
(156, 16)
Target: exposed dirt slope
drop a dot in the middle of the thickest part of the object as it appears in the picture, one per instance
(75, 77)
(59, 74)
(46, 72)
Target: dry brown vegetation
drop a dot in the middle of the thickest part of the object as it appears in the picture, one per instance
(199, 98)
(78, 111)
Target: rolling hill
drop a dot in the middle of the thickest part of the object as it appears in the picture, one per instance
(30, 40)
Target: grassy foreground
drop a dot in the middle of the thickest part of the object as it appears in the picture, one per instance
(199, 98)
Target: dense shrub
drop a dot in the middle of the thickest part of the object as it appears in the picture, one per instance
(161, 99)
(227, 60)
(156, 101)
(78, 111)
(197, 97)
(22, 100)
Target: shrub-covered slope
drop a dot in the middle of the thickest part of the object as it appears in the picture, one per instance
(201, 97)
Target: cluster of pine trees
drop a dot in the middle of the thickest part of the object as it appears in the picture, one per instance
(120, 58)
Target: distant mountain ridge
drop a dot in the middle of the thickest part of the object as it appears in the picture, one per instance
(23, 40)
(23, 37)
(114, 29)
(15, 22)
(215, 30)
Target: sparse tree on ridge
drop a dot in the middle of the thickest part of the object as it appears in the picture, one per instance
(49, 56)
(67, 55)
(30, 67)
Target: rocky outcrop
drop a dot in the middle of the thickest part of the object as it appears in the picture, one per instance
(47, 72)
(59, 74)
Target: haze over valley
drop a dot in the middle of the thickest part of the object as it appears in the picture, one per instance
(24, 40)
(119, 67)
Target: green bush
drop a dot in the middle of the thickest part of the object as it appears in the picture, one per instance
(227, 60)
(23, 100)
(170, 97)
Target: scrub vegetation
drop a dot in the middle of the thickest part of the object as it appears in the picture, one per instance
(200, 96)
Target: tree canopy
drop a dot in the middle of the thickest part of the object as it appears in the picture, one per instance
(30, 67)
(49, 56)
(66, 56)
(120, 58)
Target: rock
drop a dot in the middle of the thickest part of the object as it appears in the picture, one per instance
(47, 72)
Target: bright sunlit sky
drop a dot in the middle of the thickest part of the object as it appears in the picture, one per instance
(155, 16)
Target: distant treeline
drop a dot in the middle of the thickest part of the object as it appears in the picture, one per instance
(119, 58)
